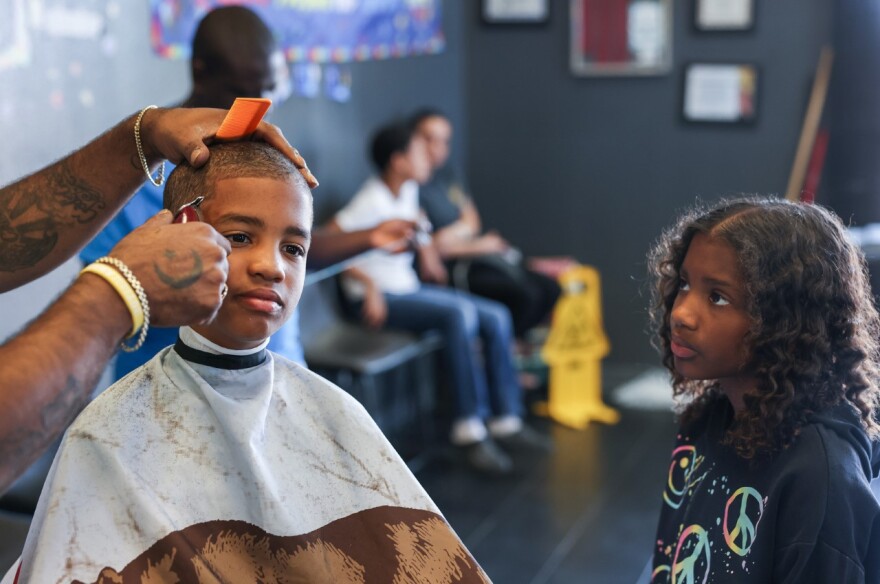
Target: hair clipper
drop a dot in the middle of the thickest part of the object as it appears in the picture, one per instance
(189, 212)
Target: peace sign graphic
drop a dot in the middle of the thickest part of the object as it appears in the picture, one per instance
(747, 504)
(684, 463)
(660, 575)
(694, 542)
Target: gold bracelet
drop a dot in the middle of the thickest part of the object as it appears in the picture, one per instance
(125, 291)
(137, 141)
(141, 296)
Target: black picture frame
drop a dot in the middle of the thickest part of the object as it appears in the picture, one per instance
(724, 15)
(515, 12)
(721, 93)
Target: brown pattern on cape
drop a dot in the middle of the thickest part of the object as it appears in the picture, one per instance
(380, 545)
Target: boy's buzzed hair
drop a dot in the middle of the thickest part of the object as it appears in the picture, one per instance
(229, 160)
(389, 140)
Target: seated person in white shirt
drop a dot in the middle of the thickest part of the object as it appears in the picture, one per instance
(386, 289)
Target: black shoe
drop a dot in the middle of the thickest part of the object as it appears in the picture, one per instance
(526, 440)
(486, 457)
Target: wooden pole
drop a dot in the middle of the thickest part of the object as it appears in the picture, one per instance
(810, 126)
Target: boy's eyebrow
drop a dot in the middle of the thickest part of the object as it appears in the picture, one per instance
(298, 231)
(257, 222)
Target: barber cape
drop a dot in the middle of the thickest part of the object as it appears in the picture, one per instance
(209, 468)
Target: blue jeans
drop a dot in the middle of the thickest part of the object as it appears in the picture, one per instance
(481, 387)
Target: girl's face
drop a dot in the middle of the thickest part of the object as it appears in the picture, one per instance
(710, 319)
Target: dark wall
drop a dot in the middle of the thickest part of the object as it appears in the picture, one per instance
(596, 167)
(852, 174)
(333, 137)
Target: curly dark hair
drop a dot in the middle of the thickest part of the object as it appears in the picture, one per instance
(814, 334)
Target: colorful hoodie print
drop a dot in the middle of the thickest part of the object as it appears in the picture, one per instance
(806, 516)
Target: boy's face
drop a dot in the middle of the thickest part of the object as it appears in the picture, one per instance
(268, 222)
(414, 163)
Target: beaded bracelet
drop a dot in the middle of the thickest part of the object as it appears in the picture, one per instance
(141, 295)
(137, 140)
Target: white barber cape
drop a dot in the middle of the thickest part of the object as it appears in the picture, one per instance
(194, 469)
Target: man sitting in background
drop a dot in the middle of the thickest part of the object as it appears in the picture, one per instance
(483, 263)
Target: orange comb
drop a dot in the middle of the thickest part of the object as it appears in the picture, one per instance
(243, 118)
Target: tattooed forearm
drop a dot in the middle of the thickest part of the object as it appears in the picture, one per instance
(57, 415)
(22, 445)
(179, 272)
(69, 199)
(33, 211)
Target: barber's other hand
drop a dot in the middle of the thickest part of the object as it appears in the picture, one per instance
(182, 268)
(183, 134)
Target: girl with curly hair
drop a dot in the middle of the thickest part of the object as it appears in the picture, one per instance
(766, 321)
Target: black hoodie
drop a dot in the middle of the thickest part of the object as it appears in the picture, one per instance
(806, 516)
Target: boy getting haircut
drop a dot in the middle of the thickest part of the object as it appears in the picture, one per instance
(219, 461)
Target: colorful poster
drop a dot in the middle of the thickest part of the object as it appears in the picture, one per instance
(318, 31)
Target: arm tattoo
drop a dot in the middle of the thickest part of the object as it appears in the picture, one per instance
(60, 413)
(33, 212)
(179, 273)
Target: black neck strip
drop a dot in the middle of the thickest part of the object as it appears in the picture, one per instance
(220, 361)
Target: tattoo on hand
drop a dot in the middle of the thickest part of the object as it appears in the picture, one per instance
(33, 211)
(180, 273)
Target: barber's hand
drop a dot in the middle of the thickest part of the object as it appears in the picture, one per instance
(182, 268)
(393, 231)
(375, 309)
(183, 134)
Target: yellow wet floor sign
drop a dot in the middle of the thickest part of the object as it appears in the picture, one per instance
(574, 352)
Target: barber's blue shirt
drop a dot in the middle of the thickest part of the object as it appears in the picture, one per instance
(146, 203)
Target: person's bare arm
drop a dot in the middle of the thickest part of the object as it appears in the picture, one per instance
(431, 268)
(331, 244)
(48, 216)
(456, 241)
(48, 371)
(374, 311)
(471, 216)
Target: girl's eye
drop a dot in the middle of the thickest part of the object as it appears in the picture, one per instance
(718, 299)
(239, 238)
(683, 286)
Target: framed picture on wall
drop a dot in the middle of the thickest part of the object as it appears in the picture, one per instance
(621, 37)
(724, 15)
(515, 11)
(720, 93)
